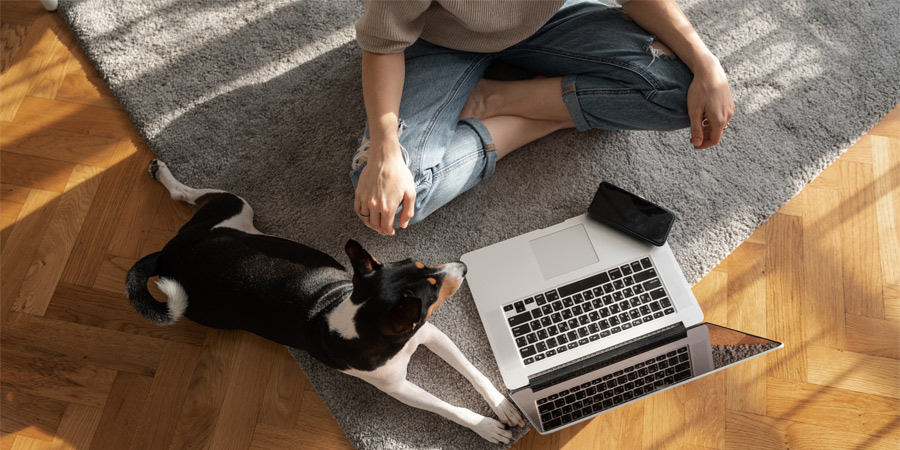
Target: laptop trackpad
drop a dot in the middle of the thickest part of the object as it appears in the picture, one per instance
(563, 251)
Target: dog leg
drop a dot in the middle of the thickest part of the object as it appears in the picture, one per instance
(441, 345)
(242, 221)
(414, 396)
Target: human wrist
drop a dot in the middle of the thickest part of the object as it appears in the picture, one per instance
(385, 148)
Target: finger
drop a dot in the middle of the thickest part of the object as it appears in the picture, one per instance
(716, 127)
(387, 220)
(409, 206)
(697, 128)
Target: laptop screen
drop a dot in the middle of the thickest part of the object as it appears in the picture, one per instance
(607, 383)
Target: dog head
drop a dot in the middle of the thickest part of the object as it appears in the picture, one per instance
(397, 298)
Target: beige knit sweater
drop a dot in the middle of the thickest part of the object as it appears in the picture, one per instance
(487, 26)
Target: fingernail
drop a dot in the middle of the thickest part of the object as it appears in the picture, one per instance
(696, 140)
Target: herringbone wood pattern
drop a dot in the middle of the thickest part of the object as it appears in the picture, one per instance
(81, 370)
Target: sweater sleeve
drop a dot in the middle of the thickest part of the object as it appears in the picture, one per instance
(389, 26)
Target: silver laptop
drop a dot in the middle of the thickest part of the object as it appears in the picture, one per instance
(583, 319)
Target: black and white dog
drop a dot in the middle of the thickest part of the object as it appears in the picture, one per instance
(220, 271)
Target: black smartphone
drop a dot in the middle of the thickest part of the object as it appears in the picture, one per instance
(631, 214)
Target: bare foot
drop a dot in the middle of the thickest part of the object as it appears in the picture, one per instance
(477, 103)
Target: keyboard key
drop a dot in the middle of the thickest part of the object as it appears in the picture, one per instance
(572, 335)
(551, 424)
(540, 299)
(588, 295)
(636, 322)
(542, 334)
(541, 346)
(568, 302)
(557, 305)
(551, 295)
(628, 281)
(616, 330)
(636, 266)
(521, 330)
(615, 274)
(583, 341)
(584, 320)
(593, 328)
(618, 284)
(508, 308)
(598, 291)
(637, 289)
(582, 332)
(567, 314)
(608, 300)
(563, 327)
(646, 263)
(551, 342)
(604, 313)
(519, 319)
(520, 307)
(531, 338)
(669, 311)
(604, 334)
(529, 361)
(556, 318)
(536, 325)
(658, 294)
(634, 314)
(645, 298)
(537, 313)
(527, 352)
(562, 339)
(572, 345)
(655, 307)
(614, 308)
(608, 287)
(652, 284)
(665, 302)
(623, 317)
(644, 310)
(626, 269)
(594, 337)
(529, 300)
(550, 353)
(626, 326)
(587, 307)
(538, 357)
(577, 298)
(644, 276)
(577, 310)
(618, 297)
(604, 324)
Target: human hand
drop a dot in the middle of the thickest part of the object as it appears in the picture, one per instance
(710, 105)
(384, 184)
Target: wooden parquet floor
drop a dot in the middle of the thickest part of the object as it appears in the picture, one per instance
(81, 370)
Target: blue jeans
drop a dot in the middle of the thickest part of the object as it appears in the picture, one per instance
(611, 80)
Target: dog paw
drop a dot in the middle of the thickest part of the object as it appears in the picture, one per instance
(153, 168)
(493, 431)
(507, 412)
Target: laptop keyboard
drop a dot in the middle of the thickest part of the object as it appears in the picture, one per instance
(587, 310)
(614, 389)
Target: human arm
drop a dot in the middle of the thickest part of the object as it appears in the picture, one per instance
(385, 182)
(709, 95)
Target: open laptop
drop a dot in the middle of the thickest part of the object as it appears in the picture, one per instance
(582, 319)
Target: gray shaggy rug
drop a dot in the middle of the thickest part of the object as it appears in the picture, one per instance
(262, 98)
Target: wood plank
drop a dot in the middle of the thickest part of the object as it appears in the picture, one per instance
(137, 212)
(581, 435)
(833, 408)
(12, 199)
(886, 173)
(171, 215)
(58, 240)
(16, 80)
(854, 371)
(784, 272)
(749, 431)
(112, 273)
(122, 412)
(29, 415)
(22, 244)
(56, 57)
(746, 383)
(60, 145)
(83, 84)
(712, 295)
(243, 399)
(794, 206)
(84, 262)
(823, 288)
(270, 437)
(664, 420)
(704, 411)
(27, 443)
(57, 379)
(111, 311)
(830, 178)
(11, 38)
(76, 431)
(623, 428)
(206, 392)
(876, 337)
(892, 302)
(156, 424)
(315, 420)
(35, 172)
(78, 118)
(21, 13)
(156, 240)
(531, 441)
(860, 152)
(56, 339)
(862, 264)
(284, 392)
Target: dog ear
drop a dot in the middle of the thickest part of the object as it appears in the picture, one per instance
(405, 315)
(363, 262)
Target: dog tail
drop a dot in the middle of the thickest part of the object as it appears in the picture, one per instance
(136, 286)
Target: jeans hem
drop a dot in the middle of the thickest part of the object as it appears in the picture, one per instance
(570, 98)
(490, 149)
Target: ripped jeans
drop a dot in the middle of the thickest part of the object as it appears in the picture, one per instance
(612, 79)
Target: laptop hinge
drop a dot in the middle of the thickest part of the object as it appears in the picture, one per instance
(608, 356)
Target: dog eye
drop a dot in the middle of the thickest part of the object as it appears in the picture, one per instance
(408, 293)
